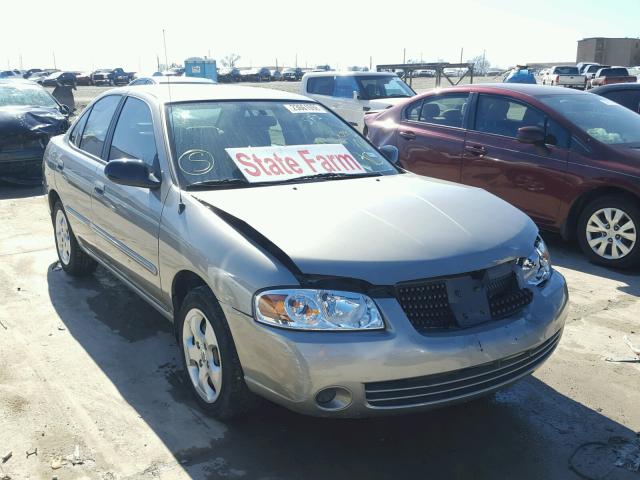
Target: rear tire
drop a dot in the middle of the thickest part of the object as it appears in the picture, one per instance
(210, 360)
(73, 259)
(608, 231)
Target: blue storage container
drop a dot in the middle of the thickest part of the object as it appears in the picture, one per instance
(201, 67)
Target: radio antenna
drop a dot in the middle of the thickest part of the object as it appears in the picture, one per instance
(181, 205)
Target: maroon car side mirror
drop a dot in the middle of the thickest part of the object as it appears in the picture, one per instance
(531, 135)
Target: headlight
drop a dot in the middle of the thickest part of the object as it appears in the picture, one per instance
(317, 310)
(536, 268)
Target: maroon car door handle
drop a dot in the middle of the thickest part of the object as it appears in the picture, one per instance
(409, 135)
(478, 150)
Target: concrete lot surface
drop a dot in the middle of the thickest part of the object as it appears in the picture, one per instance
(89, 378)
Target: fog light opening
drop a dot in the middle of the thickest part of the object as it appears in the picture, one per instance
(333, 398)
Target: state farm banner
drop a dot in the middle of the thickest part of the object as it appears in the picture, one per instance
(276, 163)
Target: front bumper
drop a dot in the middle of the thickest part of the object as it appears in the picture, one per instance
(23, 162)
(404, 368)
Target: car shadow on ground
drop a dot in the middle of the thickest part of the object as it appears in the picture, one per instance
(528, 431)
(567, 254)
(10, 190)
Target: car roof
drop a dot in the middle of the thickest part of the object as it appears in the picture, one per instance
(521, 88)
(348, 73)
(193, 92)
(615, 87)
(176, 80)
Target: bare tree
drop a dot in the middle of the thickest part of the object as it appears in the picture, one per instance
(230, 60)
(480, 64)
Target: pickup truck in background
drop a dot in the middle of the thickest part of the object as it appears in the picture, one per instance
(565, 77)
(115, 76)
(607, 76)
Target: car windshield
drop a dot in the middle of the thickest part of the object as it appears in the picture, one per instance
(377, 86)
(566, 70)
(25, 95)
(601, 118)
(251, 142)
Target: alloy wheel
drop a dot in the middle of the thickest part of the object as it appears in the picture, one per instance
(202, 355)
(611, 233)
(63, 241)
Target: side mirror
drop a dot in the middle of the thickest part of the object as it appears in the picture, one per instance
(65, 110)
(356, 95)
(134, 173)
(531, 135)
(391, 153)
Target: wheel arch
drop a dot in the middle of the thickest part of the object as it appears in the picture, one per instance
(52, 198)
(571, 223)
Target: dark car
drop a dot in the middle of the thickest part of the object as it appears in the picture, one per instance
(292, 74)
(29, 116)
(626, 94)
(569, 159)
(83, 78)
(101, 77)
(64, 78)
(228, 74)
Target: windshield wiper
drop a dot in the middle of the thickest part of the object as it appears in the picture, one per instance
(213, 184)
(330, 176)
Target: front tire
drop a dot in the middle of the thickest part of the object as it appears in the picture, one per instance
(608, 231)
(73, 259)
(210, 360)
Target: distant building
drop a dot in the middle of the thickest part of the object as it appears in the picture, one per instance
(609, 51)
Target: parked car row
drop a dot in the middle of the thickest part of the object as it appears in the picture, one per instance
(586, 75)
(455, 297)
(264, 74)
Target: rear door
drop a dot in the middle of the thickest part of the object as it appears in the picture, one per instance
(528, 176)
(321, 88)
(76, 166)
(344, 104)
(431, 135)
(127, 219)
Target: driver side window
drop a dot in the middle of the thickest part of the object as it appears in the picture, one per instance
(133, 136)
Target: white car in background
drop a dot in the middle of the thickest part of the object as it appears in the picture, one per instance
(354, 94)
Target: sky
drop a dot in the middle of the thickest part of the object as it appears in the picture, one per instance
(90, 34)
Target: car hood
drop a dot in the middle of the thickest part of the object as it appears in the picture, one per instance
(382, 229)
(27, 121)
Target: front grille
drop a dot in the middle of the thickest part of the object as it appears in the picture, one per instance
(429, 307)
(458, 384)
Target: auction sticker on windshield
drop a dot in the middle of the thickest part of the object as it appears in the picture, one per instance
(276, 163)
(305, 108)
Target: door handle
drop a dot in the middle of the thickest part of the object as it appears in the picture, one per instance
(60, 164)
(409, 135)
(98, 187)
(477, 150)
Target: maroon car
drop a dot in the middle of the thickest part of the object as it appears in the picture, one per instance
(569, 159)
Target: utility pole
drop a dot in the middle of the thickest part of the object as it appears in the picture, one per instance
(484, 65)
(404, 55)
(276, 64)
(54, 60)
(157, 62)
(20, 61)
(370, 62)
(296, 60)
(461, 52)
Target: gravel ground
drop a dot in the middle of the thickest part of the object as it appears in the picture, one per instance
(89, 377)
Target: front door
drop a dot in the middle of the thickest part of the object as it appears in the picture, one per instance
(431, 136)
(127, 219)
(531, 177)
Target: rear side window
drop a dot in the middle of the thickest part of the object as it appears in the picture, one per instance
(447, 110)
(133, 136)
(95, 131)
(614, 72)
(321, 85)
(74, 136)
